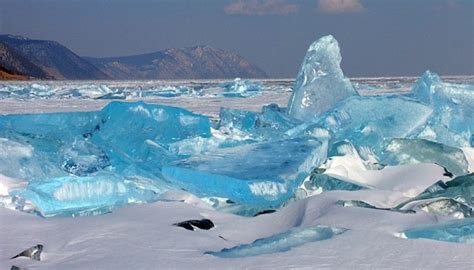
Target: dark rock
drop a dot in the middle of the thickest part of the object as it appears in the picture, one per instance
(447, 173)
(203, 224)
(267, 211)
(33, 252)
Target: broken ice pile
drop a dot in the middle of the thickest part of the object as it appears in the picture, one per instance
(241, 88)
(91, 162)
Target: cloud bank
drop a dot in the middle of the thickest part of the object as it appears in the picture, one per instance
(340, 6)
(261, 7)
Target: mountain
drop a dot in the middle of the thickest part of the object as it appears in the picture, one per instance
(52, 58)
(44, 59)
(13, 63)
(200, 62)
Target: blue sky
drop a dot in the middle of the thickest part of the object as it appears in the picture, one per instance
(378, 37)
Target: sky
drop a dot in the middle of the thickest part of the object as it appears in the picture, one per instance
(377, 37)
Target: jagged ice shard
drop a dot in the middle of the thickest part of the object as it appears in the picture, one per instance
(452, 122)
(320, 83)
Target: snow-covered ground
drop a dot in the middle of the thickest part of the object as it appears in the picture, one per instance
(143, 237)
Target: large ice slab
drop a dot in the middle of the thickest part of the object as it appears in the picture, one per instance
(320, 83)
(86, 195)
(453, 120)
(263, 174)
(368, 122)
(411, 151)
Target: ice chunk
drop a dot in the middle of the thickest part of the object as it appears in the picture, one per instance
(320, 83)
(325, 182)
(368, 121)
(280, 242)
(263, 174)
(140, 132)
(460, 231)
(453, 120)
(461, 190)
(85, 195)
(241, 88)
(406, 151)
(271, 123)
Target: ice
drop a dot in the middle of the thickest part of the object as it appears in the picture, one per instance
(460, 231)
(353, 119)
(241, 88)
(84, 195)
(263, 174)
(271, 123)
(324, 182)
(81, 153)
(411, 151)
(280, 242)
(446, 198)
(139, 133)
(453, 120)
(320, 83)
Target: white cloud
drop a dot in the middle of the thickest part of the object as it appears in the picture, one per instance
(340, 6)
(261, 7)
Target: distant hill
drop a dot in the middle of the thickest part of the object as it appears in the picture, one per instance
(44, 59)
(200, 62)
(52, 58)
(13, 63)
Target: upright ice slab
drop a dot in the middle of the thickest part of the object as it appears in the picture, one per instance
(320, 82)
(453, 120)
(261, 174)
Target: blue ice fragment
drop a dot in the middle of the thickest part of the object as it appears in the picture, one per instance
(460, 231)
(84, 195)
(367, 122)
(452, 122)
(263, 174)
(237, 119)
(412, 151)
(280, 242)
(55, 126)
(241, 88)
(320, 83)
(271, 123)
(140, 133)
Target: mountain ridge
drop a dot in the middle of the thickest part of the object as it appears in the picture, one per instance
(46, 59)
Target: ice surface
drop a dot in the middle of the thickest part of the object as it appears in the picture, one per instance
(263, 174)
(280, 242)
(320, 83)
(411, 151)
(453, 120)
(461, 231)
